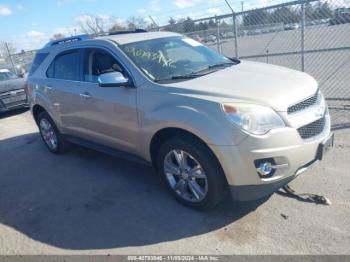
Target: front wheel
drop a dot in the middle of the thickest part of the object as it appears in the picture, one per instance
(192, 173)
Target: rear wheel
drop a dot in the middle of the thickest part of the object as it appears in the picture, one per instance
(191, 173)
(52, 138)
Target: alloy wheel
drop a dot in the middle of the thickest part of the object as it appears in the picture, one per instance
(48, 133)
(185, 176)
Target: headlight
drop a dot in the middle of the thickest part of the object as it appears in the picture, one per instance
(321, 101)
(254, 119)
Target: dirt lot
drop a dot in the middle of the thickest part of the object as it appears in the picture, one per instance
(89, 203)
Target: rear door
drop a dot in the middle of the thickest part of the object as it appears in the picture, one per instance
(61, 87)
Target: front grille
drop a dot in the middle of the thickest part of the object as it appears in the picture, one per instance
(9, 93)
(303, 104)
(8, 100)
(313, 129)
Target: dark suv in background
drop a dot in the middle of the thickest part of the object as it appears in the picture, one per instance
(12, 91)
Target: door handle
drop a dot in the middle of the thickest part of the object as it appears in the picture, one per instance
(85, 95)
(49, 88)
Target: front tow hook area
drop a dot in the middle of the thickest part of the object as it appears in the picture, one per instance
(304, 197)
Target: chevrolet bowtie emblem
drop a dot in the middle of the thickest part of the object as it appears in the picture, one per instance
(320, 111)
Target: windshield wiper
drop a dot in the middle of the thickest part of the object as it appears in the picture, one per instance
(225, 64)
(179, 77)
(215, 66)
(197, 73)
(188, 76)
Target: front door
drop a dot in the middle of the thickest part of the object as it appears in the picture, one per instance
(108, 114)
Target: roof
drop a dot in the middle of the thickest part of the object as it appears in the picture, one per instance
(119, 38)
(4, 70)
(138, 37)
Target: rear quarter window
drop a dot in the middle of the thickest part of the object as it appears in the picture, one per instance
(38, 60)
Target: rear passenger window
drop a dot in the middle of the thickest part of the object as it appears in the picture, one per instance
(39, 58)
(65, 66)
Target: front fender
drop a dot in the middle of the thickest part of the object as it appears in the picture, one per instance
(207, 123)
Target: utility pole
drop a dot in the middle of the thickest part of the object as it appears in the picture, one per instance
(234, 28)
(10, 56)
(242, 4)
(154, 23)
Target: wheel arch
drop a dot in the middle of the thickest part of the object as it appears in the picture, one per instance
(162, 135)
(36, 110)
(168, 133)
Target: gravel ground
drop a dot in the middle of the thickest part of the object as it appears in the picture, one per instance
(86, 202)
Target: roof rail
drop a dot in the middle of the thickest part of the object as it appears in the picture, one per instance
(128, 32)
(68, 40)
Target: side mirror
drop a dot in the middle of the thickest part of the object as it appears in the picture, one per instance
(113, 79)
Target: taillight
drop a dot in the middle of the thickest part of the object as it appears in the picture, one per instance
(26, 88)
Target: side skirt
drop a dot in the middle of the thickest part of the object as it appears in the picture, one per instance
(107, 150)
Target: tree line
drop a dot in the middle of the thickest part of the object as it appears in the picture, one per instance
(95, 25)
(286, 15)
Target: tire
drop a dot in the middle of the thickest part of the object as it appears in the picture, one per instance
(202, 183)
(51, 136)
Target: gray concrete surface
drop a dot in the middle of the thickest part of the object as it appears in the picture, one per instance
(86, 202)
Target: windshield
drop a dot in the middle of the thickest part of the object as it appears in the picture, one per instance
(7, 76)
(175, 58)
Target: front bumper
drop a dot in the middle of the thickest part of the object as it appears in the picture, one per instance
(12, 100)
(284, 146)
(254, 192)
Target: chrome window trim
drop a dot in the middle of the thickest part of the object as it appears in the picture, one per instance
(114, 56)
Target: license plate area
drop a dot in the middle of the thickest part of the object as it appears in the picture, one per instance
(14, 99)
(325, 147)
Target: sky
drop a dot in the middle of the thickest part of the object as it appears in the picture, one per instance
(29, 24)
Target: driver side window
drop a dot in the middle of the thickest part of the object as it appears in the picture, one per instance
(98, 62)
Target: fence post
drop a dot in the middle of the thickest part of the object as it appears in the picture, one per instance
(302, 37)
(234, 24)
(235, 34)
(218, 34)
(267, 56)
(10, 57)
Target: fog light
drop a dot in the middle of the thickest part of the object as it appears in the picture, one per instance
(265, 169)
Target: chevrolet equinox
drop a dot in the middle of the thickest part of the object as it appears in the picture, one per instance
(207, 123)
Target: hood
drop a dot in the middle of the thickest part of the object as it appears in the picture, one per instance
(265, 84)
(11, 84)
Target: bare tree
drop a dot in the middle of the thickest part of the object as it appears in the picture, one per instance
(137, 23)
(93, 25)
(58, 36)
(116, 27)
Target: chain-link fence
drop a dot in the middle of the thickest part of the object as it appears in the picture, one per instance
(19, 62)
(307, 35)
(311, 36)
